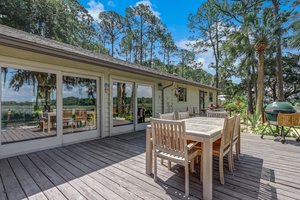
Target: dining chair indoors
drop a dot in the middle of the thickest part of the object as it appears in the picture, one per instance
(169, 143)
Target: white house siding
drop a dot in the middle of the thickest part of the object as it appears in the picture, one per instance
(13, 56)
(172, 104)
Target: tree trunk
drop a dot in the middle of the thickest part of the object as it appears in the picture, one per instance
(123, 98)
(279, 76)
(141, 41)
(151, 53)
(112, 48)
(260, 81)
(119, 98)
(250, 98)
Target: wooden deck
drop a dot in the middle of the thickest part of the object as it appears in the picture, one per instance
(114, 168)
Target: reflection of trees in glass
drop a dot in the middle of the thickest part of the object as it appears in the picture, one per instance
(71, 82)
(123, 103)
(43, 83)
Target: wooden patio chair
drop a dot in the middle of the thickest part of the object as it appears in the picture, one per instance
(169, 143)
(183, 115)
(291, 121)
(169, 116)
(236, 139)
(223, 147)
(68, 117)
(196, 112)
(81, 117)
(216, 114)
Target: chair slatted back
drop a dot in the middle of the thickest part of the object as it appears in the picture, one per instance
(227, 133)
(67, 113)
(82, 114)
(237, 127)
(217, 114)
(169, 136)
(290, 120)
(183, 115)
(169, 116)
(196, 110)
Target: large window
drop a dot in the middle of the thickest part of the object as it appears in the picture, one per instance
(144, 103)
(28, 105)
(79, 104)
(122, 103)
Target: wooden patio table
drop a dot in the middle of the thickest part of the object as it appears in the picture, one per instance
(201, 129)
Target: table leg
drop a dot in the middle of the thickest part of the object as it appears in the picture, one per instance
(149, 151)
(207, 169)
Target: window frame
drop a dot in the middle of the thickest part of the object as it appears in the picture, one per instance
(181, 93)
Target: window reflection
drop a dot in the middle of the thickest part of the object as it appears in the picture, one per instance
(122, 103)
(28, 101)
(144, 103)
(79, 104)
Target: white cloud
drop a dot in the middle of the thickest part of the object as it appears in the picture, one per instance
(206, 58)
(111, 4)
(148, 3)
(185, 44)
(94, 8)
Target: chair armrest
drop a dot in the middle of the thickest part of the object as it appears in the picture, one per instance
(191, 145)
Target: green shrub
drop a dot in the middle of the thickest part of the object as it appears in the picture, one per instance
(237, 105)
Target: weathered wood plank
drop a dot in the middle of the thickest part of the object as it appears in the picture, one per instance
(80, 186)
(29, 186)
(10, 182)
(49, 189)
(64, 186)
(99, 176)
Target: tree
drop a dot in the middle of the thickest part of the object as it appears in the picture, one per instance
(278, 32)
(139, 20)
(187, 58)
(209, 30)
(167, 47)
(66, 21)
(111, 24)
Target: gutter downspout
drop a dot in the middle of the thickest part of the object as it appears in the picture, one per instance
(163, 96)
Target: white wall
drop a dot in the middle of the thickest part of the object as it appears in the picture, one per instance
(14, 57)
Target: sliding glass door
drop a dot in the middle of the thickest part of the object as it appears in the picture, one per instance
(80, 98)
(123, 106)
(144, 104)
(28, 105)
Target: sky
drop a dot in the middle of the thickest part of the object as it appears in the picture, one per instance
(172, 13)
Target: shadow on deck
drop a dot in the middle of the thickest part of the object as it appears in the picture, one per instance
(114, 168)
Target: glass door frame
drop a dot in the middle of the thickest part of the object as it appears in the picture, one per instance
(16, 148)
(116, 130)
(83, 135)
(142, 126)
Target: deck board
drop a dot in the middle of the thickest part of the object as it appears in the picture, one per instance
(114, 168)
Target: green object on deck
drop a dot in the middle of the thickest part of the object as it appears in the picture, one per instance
(276, 107)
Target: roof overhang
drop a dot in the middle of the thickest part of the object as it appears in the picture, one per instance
(27, 45)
